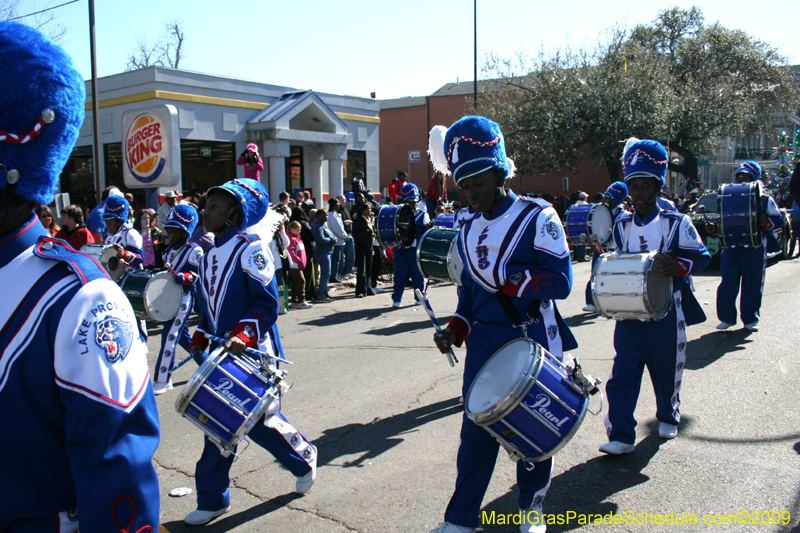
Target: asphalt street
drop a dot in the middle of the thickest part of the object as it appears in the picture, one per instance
(382, 406)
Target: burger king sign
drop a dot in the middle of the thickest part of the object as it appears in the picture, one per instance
(151, 147)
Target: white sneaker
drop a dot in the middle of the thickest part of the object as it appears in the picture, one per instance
(304, 305)
(447, 527)
(723, 325)
(304, 483)
(617, 448)
(161, 388)
(590, 308)
(395, 304)
(199, 518)
(667, 431)
(532, 520)
(377, 290)
(752, 327)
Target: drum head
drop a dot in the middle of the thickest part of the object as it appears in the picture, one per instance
(454, 264)
(405, 225)
(601, 222)
(163, 296)
(502, 374)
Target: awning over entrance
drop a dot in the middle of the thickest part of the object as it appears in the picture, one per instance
(301, 118)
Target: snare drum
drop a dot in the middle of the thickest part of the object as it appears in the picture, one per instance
(153, 295)
(437, 255)
(226, 397)
(740, 210)
(624, 287)
(107, 256)
(587, 220)
(445, 220)
(395, 226)
(527, 400)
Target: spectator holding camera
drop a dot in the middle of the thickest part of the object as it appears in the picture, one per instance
(253, 165)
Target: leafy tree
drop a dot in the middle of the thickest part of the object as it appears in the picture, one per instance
(167, 51)
(676, 80)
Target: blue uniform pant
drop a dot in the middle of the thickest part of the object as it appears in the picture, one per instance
(660, 346)
(280, 438)
(174, 334)
(477, 452)
(405, 265)
(745, 267)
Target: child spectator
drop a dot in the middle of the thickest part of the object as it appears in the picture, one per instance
(297, 263)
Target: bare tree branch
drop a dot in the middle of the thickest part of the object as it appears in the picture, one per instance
(164, 52)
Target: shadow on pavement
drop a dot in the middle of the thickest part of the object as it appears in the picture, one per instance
(231, 521)
(584, 488)
(372, 439)
(707, 349)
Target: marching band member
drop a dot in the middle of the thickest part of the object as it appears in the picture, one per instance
(659, 345)
(405, 258)
(74, 378)
(516, 262)
(240, 300)
(612, 198)
(183, 258)
(745, 265)
(124, 238)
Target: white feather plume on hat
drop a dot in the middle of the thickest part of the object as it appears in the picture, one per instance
(436, 149)
(512, 168)
(628, 144)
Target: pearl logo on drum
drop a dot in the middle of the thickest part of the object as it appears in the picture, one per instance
(224, 388)
(540, 407)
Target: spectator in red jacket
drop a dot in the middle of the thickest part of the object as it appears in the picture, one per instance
(73, 230)
(397, 186)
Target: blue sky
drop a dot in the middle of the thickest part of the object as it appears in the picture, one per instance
(354, 47)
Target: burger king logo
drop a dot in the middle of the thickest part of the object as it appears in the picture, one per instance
(145, 150)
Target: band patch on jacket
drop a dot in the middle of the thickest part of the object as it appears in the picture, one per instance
(115, 337)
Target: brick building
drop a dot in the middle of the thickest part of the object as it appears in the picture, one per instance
(406, 122)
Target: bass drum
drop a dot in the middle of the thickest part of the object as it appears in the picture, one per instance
(625, 287)
(437, 255)
(740, 211)
(592, 219)
(153, 296)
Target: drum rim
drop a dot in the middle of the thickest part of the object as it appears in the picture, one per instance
(591, 217)
(520, 386)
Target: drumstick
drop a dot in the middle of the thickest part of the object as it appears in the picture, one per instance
(594, 244)
(251, 351)
(191, 355)
(451, 356)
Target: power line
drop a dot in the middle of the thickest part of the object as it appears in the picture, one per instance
(44, 10)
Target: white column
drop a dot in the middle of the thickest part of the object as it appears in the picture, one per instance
(277, 177)
(335, 186)
(314, 175)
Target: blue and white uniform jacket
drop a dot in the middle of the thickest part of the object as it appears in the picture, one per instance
(421, 221)
(673, 234)
(774, 220)
(131, 242)
(520, 249)
(79, 423)
(239, 292)
(185, 260)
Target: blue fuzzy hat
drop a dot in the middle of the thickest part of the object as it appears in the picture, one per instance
(182, 217)
(646, 158)
(470, 146)
(617, 191)
(409, 193)
(251, 196)
(750, 167)
(116, 207)
(42, 99)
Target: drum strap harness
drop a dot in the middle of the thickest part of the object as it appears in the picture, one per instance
(513, 315)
